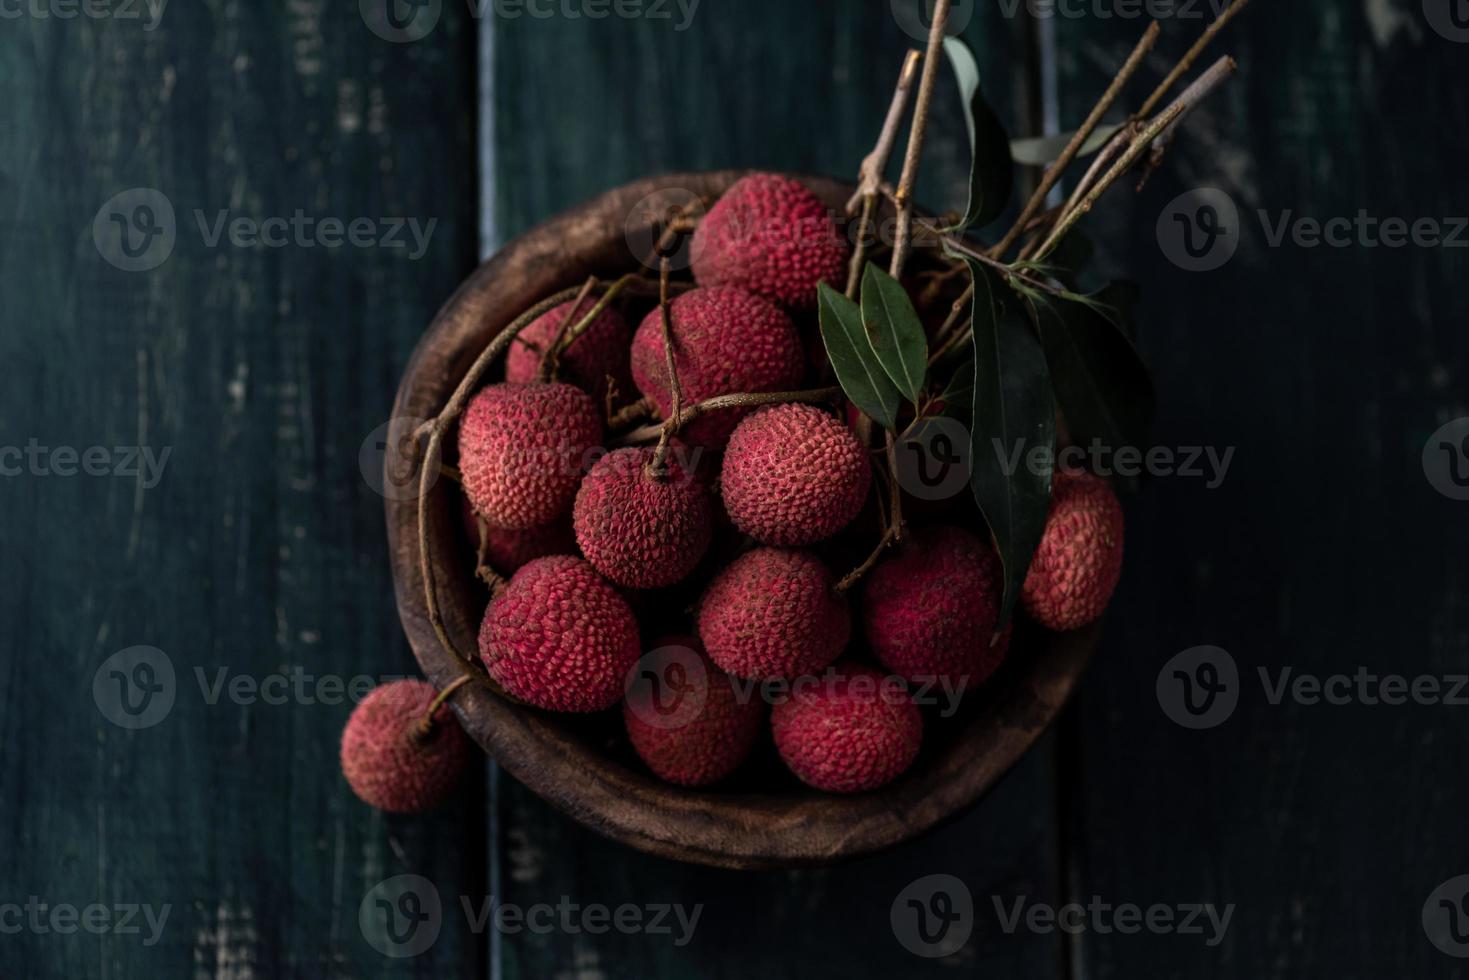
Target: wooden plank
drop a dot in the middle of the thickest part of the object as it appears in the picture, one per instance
(1325, 548)
(581, 106)
(260, 550)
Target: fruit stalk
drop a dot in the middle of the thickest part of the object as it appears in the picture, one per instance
(902, 244)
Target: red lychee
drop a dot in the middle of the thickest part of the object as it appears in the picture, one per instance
(849, 730)
(793, 474)
(773, 613)
(522, 448)
(930, 610)
(390, 761)
(687, 719)
(559, 637)
(1079, 560)
(726, 341)
(641, 529)
(772, 236)
(598, 354)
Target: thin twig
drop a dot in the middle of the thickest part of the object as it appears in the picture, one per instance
(1187, 62)
(874, 165)
(1055, 170)
(1197, 91)
(743, 400)
(628, 414)
(425, 727)
(855, 575)
(675, 416)
(901, 244)
(551, 360)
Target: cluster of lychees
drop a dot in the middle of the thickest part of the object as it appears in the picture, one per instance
(582, 542)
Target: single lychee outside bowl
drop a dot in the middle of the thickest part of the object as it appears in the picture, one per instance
(571, 761)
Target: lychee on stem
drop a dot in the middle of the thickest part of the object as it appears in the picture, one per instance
(402, 750)
(522, 448)
(725, 341)
(773, 613)
(558, 637)
(793, 475)
(1079, 559)
(770, 235)
(689, 721)
(849, 730)
(642, 525)
(930, 610)
(599, 353)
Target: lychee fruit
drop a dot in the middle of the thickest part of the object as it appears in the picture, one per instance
(793, 474)
(390, 760)
(522, 448)
(559, 637)
(506, 551)
(726, 341)
(601, 352)
(930, 611)
(772, 236)
(642, 529)
(1079, 560)
(688, 720)
(849, 730)
(773, 613)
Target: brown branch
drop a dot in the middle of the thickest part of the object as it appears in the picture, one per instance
(628, 414)
(675, 419)
(1187, 62)
(875, 164)
(1055, 170)
(425, 728)
(901, 244)
(551, 359)
(742, 400)
(855, 575)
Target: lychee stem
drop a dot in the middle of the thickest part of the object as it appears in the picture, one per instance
(482, 569)
(636, 412)
(551, 360)
(874, 165)
(901, 241)
(656, 467)
(424, 730)
(745, 400)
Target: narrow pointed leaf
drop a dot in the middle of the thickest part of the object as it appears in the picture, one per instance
(1013, 427)
(1104, 389)
(1039, 151)
(958, 395)
(894, 332)
(991, 170)
(857, 370)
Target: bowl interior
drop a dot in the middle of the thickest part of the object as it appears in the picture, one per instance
(762, 817)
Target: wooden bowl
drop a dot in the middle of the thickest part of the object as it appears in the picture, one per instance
(573, 762)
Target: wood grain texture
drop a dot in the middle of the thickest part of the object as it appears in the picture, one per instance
(1324, 548)
(581, 106)
(262, 371)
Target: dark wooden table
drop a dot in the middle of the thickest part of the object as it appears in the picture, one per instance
(258, 550)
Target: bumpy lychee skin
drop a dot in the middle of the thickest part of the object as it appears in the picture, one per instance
(772, 236)
(930, 611)
(848, 733)
(1079, 560)
(559, 637)
(793, 475)
(772, 613)
(506, 551)
(599, 353)
(387, 761)
(687, 719)
(522, 448)
(641, 529)
(726, 341)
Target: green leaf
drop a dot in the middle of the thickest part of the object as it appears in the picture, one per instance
(1105, 391)
(958, 394)
(894, 332)
(1013, 428)
(991, 170)
(1070, 257)
(1039, 151)
(861, 377)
